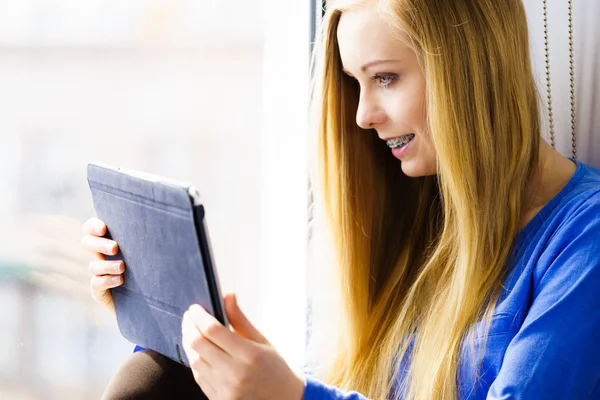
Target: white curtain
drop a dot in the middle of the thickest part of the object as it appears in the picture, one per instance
(586, 31)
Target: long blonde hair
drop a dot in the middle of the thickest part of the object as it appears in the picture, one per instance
(417, 261)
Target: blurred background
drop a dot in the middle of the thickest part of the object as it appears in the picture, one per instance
(208, 91)
(172, 87)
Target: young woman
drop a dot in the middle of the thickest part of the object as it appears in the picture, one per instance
(467, 250)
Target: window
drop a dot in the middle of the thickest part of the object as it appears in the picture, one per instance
(212, 92)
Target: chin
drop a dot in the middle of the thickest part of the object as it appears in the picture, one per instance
(418, 168)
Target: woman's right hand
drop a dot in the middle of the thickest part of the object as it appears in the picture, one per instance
(105, 274)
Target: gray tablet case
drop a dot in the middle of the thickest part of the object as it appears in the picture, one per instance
(160, 228)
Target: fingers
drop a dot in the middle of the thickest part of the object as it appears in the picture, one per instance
(206, 360)
(94, 226)
(105, 274)
(202, 375)
(93, 241)
(215, 332)
(105, 282)
(101, 267)
(100, 245)
(195, 342)
(239, 322)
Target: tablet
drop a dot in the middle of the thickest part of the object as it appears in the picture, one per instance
(161, 230)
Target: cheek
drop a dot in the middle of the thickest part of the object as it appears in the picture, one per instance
(419, 116)
(414, 97)
(408, 114)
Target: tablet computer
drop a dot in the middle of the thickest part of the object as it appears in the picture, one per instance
(160, 227)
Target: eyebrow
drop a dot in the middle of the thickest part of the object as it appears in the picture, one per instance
(368, 65)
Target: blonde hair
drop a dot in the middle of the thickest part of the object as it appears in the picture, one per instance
(417, 261)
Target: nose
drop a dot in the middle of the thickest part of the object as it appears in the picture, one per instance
(369, 113)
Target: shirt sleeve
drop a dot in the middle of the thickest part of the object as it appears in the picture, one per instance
(317, 390)
(556, 353)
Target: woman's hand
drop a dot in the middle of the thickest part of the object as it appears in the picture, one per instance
(105, 274)
(236, 365)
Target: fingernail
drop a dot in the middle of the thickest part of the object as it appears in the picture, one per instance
(116, 267)
(195, 307)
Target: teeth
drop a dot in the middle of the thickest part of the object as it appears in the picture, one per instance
(400, 141)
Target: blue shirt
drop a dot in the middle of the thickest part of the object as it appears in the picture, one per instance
(544, 340)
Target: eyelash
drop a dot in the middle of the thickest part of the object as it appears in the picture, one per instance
(377, 79)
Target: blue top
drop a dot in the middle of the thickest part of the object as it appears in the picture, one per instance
(544, 338)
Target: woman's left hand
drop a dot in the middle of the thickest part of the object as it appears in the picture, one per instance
(235, 365)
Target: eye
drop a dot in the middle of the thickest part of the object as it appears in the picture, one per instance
(384, 80)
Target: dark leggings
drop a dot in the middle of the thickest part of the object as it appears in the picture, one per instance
(147, 375)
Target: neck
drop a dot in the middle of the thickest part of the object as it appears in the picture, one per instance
(551, 174)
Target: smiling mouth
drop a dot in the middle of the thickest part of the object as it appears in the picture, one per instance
(399, 142)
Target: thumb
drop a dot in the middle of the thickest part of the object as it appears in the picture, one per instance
(239, 322)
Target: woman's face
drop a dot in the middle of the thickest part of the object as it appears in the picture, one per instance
(392, 88)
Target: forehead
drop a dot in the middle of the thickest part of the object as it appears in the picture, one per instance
(363, 36)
